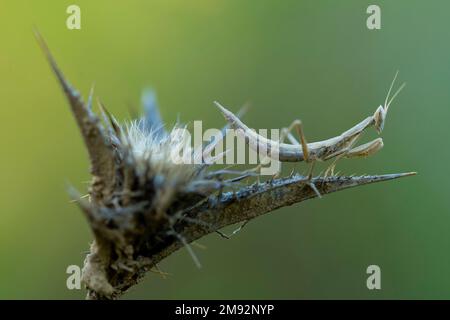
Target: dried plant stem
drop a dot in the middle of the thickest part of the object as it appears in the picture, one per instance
(252, 202)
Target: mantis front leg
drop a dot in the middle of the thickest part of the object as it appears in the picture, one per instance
(362, 151)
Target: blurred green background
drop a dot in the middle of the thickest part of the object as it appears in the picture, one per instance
(313, 60)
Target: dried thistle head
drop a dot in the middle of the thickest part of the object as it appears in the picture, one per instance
(143, 206)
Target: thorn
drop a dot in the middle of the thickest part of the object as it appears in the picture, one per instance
(100, 152)
(90, 98)
(83, 203)
(313, 186)
(112, 121)
(157, 270)
(228, 236)
(199, 245)
(292, 173)
(187, 246)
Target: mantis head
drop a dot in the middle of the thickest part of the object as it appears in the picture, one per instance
(380, 114)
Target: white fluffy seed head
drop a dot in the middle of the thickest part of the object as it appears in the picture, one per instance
(150, 149)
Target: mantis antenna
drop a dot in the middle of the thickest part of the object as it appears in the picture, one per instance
(386, 103)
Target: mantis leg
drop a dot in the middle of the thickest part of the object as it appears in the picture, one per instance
(362, 151)
(297, 125)
(286, 132)
(365, 150)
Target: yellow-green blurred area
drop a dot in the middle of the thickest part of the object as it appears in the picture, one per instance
(312, 60)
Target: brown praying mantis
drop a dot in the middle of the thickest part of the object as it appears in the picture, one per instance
(341, 146)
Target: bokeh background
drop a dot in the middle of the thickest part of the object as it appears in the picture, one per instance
(313, 60)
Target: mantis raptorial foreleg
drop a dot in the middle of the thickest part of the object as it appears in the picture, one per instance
(362, 151)
(366, 149)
